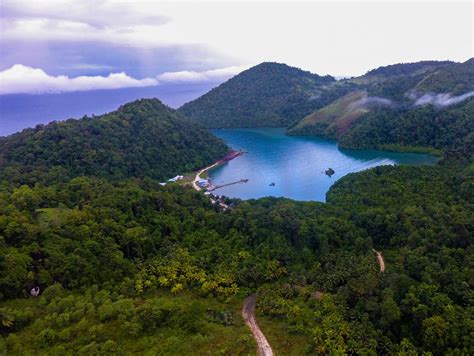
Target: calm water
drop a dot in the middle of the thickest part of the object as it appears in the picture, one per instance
(19, 111)
(295, 164)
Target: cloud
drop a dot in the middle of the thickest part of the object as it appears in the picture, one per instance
(96, 13)
(204, 76)
(442, 100)
(24, 79)
(371, 102)
(375, 101)
(220, 28)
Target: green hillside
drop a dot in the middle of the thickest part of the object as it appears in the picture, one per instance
(141, 139)
(334, 119)
(272, 94)
(422, 126)
(407, 69)
(457, 79)
(269, 94)
(403, 125)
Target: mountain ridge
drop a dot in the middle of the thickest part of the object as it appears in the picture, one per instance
(269, 94)
(273, 94)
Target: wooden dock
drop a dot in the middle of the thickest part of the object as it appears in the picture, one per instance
(227, 184)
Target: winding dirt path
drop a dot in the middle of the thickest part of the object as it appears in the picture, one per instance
(380, 260)
(248, 313)
(198, 174)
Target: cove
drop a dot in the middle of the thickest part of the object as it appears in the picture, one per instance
(295, 164)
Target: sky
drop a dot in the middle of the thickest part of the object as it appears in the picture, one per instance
(57, 46)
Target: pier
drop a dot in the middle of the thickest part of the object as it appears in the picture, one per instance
(227, 184)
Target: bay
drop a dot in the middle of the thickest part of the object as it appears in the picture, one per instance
(296, 165)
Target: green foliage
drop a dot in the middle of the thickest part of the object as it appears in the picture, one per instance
(267, 95)
(457, 78)
(423, 126)
(173, 269)
(332, 120)
(136, 325)
(271, 94)
(407, 69)
(311, 262)
(141, 139)
(402, 126)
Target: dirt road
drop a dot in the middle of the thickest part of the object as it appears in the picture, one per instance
(198, 174)
(248, 313)
(380, 260)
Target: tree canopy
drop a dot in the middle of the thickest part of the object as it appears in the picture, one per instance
(143, 138)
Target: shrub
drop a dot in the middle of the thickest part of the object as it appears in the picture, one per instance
(47, 337)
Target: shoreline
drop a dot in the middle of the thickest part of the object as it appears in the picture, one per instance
(228, 157)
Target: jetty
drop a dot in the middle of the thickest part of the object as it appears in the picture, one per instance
(228, 157)
(243, 180)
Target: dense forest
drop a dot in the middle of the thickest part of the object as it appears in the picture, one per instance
(407, 69)
(143, 138)
(457, 79)
(132, 260)
(424, 106)
(267, 95)
(128, 266)
(423, 126)
(272, 94)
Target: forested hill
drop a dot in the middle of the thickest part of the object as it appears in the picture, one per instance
(422, 126)
(457, 79)
(407, 68)
(269, 94)
(272, 94)
(405, 107)
(143, 138)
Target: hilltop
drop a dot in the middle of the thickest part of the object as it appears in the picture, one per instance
(269, 94)
(457, 79)
(273, 94)
(143, 138)
(408, 106)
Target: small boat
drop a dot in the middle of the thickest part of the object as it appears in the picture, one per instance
(329, 172)
(272, 184)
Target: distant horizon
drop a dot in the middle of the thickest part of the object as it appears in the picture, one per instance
(181, 78)
(19, 111)
(22, 111)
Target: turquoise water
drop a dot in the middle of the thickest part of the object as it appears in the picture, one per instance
(295, 164)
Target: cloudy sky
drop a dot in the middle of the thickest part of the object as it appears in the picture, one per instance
(54, 46)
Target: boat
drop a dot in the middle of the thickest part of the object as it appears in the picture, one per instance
(329, 172)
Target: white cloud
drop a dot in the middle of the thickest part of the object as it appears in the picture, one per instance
(24, 79)
(443, 99)
(97, 13)
(205, 76)
(314, 35)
